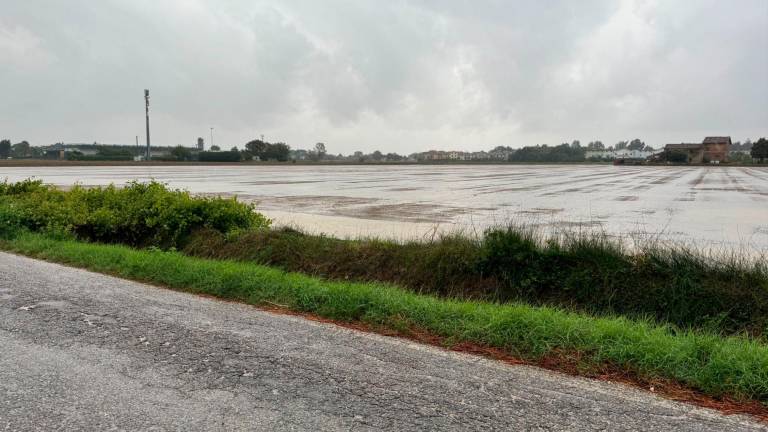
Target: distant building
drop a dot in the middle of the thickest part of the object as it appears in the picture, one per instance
(458, 155)
(56, 154)
(618, 154)
(694, 153)
(711, 150)
(716, 149)
(200, 144)
(500, 153)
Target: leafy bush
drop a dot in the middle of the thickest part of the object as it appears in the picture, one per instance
(139, 214)
(11, 219)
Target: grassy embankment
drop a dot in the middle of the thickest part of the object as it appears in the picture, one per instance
(722, 294)
(46, 223)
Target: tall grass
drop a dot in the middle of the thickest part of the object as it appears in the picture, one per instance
(584, 272)
(718, 366)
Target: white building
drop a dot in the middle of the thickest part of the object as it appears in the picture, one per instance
(619, 154)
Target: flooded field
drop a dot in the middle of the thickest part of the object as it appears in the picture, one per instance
(707, 206)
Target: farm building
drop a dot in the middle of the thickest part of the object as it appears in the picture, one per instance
(711, 150)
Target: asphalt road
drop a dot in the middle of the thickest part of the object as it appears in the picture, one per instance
(83, 351)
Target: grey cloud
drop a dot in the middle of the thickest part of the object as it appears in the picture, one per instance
(399, 76)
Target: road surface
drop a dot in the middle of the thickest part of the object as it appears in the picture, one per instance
(84, 351)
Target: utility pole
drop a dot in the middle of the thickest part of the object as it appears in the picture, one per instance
(138, 152)
(146, 111)
(211, 138)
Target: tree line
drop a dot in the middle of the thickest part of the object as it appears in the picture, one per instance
(261, 150)
(19, 150)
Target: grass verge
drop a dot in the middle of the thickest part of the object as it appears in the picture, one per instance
(721, 367)
(723, 293)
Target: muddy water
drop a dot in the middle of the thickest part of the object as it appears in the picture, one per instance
(708, 206)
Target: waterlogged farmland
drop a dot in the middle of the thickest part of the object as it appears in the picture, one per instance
(712, 207)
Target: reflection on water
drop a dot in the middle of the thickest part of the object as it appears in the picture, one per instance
(704, 205)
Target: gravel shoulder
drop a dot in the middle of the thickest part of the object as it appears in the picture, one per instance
(84, 351)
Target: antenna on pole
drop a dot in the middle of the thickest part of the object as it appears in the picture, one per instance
(146, 111)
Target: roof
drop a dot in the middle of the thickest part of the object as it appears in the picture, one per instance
(683, 146)
(717, 140)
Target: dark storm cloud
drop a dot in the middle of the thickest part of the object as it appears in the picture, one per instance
(395, 75)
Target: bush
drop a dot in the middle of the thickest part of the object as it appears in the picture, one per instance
(138, 214)
(11, 220)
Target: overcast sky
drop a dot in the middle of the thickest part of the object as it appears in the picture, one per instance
(393, 75)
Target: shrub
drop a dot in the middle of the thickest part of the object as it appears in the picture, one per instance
(139, 214)
(11, 219)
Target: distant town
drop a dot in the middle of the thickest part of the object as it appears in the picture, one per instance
(711, 150)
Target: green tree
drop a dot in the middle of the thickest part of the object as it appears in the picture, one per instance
(21, 150)
(320, 150)
(256, 147)
(277, 151)
(5, 149)
(635, 144)
(215, 148)
(596, 145)
(181, 153)
(760, 150)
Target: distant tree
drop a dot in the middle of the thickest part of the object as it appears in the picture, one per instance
(234, 149)
(377, 156)
(320, 150)
(621, 145)
(576, 144)
(760, 150)
(279, 151)
(215, 148)
(636, 144)
(181, 153)
(648, 148)
(595, 145)
(544, 153)
(5, 149)
(21, 150)
(256, 147)
(37, 152)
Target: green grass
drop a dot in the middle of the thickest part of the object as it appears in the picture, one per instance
(715, 365)
(589, 273)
